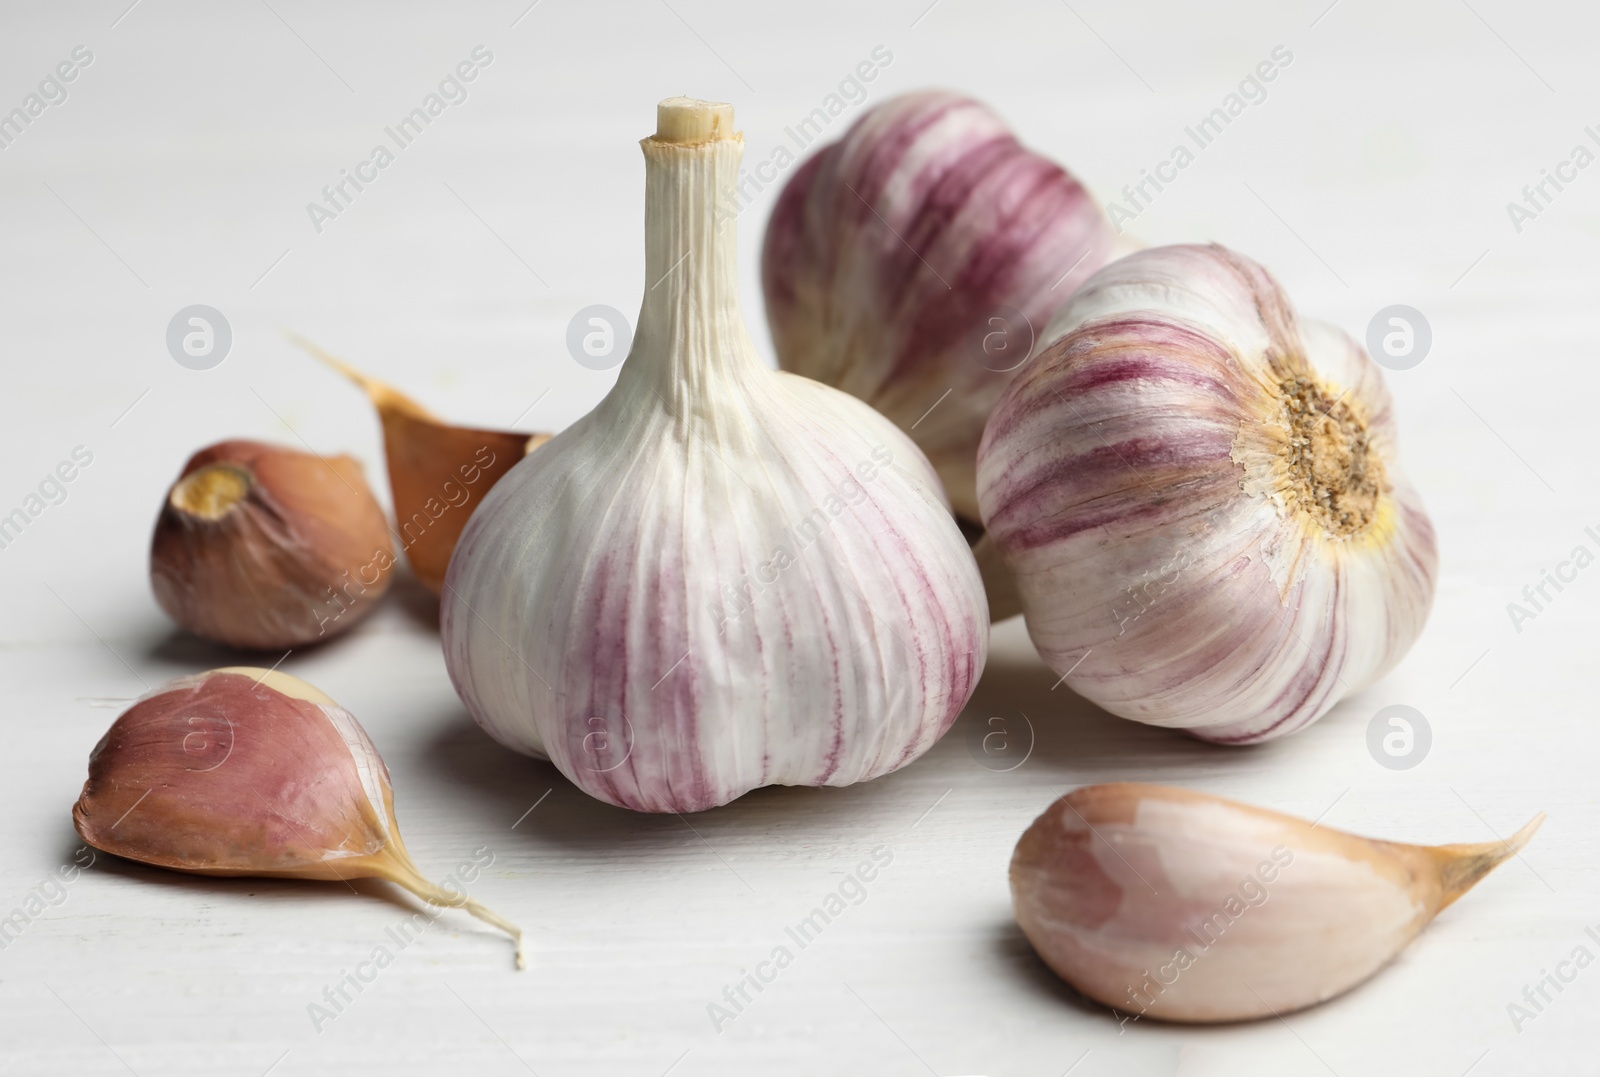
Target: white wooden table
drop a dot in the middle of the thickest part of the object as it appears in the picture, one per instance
(177, 171)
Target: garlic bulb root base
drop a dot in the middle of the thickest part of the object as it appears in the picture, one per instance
(211, 492)
(1199, 496)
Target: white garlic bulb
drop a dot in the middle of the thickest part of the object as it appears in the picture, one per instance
(1199, 499)
(1167, 903)
(722, 577)
(911, 262)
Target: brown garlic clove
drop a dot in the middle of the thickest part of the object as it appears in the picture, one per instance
(438, 473)
(260, 546)
(1172, 904)
(250, 772)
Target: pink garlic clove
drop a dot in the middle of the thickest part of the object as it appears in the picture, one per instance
(248, 772)
(1172, 904)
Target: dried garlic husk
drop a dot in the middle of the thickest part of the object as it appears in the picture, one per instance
(724, 576)
(911, 262)
(1172, 904)
(438, 472)
(1199, 498)
(253, 772)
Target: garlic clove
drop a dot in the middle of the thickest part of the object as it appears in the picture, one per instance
(259, 546)
(438, 472)
(912, 262)
(1167, 903)
(251, 772)
(1200, 500)
(723, 577)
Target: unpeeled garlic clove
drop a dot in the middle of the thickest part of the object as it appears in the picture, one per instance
(724, 576)
(250, 772)
(1167, 903)
(1200, 499)
(263, 547)
(911, 262)
(438, 472)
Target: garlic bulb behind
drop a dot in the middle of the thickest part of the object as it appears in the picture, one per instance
(723, 577)
(911, 262)
(1168, 903)
(1199, 498)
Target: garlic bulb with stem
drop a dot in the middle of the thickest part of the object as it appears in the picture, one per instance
(438, 472)
(911, 262)
(724, 576)
(1198, 496)
(1178, 905)
(251, 772)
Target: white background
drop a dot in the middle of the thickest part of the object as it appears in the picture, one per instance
(178, 171)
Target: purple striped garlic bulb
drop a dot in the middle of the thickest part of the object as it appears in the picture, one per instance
(1199, 498)
(911, 263)
(724, 576)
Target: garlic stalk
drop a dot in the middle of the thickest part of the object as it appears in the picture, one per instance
(1177, 905)
(1198, 496)
(911, 262)
(722, 577)
(251, 772)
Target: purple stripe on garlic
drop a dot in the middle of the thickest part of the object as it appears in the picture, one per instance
(724, 576)
(1199, 497)
(890, 251)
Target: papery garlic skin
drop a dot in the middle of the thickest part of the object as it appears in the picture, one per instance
(438, 471)
(899, 258)
(1171, 904)
(723, 577)
(1199, 499)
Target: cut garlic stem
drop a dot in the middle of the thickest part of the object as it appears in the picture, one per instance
(689, 121)
(1178, 905)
